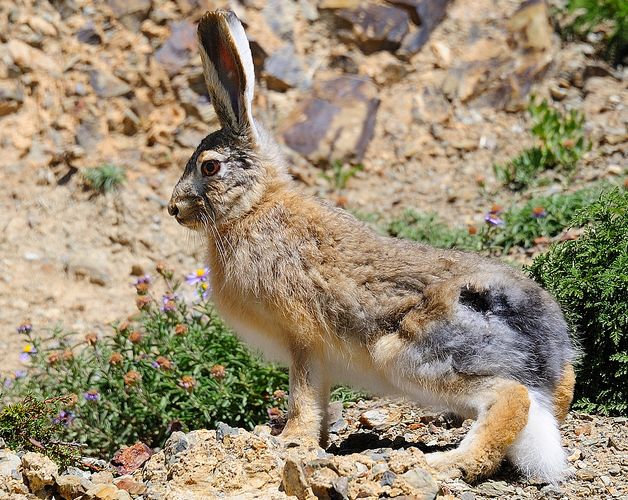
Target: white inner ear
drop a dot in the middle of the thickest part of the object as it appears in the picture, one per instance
(244, 51)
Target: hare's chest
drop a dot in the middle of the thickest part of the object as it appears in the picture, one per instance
(254, 326)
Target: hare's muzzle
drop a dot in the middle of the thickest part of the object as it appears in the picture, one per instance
(173, 209)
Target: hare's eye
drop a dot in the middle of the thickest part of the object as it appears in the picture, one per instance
(210, 167)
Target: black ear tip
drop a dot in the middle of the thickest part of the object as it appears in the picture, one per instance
(215, 18)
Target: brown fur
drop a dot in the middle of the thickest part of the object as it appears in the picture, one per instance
(483, 450)
(563, 394)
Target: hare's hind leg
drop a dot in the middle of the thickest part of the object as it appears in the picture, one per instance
(563, 394)
(502, 413)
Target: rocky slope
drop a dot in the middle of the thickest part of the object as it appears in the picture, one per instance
(376, 451)
(426, 99)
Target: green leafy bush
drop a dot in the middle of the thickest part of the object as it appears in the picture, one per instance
(608, 17)
(34, 425)
(173, 366)
(589, 277)
(104, 178)
(562, 144)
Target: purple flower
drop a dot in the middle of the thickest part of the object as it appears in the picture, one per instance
(493, 219)
(142, 280)
(25, 357)
(92, 395)
(168, 303)
(19, 374)
(199, 276)
(25, 328)
(155, 365)
(64, 418)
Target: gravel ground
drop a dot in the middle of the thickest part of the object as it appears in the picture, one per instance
(597, 448)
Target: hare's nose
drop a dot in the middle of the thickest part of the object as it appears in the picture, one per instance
(173, 209)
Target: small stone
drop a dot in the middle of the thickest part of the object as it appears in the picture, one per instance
(558, 93)
(10, 465)
(87, 34)
(30, 58)
(130, 459)
(11, 97)
(283, 70)
(586, 474)
(606, 480)
(39, 471)
(223, 430)
(71, 486)
(106, 85)
(387, 478)
(130, 13)
(293, 479)
(421, 480)
(322, 481)
(106, 492)
(127, 483)
(495, 489)
(375, 419)
(467, 495)
(178, 48)
(374, 27)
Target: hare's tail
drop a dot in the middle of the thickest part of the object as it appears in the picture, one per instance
(537, 452)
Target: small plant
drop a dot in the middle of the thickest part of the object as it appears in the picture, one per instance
(173, 366)
(562, 144)
(607, 17)
(430, 229)
(104, 178)
(339, 174)
(589, 277)
(34, 425)
(504, 228)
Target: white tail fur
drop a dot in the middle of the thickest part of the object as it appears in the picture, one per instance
(537, 451)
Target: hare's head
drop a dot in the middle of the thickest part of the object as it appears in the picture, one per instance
(227, 173)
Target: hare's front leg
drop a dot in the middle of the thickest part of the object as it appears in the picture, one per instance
(306, 408)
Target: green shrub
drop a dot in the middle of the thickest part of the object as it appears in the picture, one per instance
(173, 366)
(545, 216)
(588, 16)
(104, 178)
(562, 144)
(34, 425)
(517, 226)
(589, 277)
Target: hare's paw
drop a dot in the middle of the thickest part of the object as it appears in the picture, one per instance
(447, 464)
(292, 439)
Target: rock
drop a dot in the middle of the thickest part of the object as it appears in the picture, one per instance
(130, 13)
(178, 48)
(189, 138)
(107, 85)
(128, 460)
(31, 59)
(106, 492)
(3, 444)
(283, 70)
(93, 270)
(71, 486)
(87, 34)
(223, 430)
(293, 480)
(374, 27)
(130, 485)
(336, 123)
(374, 419)
(11, 97)
(10, 465)
(39, 471)
(280, 17)
(421, 481)
(531, 24)
(426, 14)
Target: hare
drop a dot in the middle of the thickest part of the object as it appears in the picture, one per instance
(311, 286)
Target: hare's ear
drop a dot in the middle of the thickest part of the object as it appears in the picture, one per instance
(228, 68)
